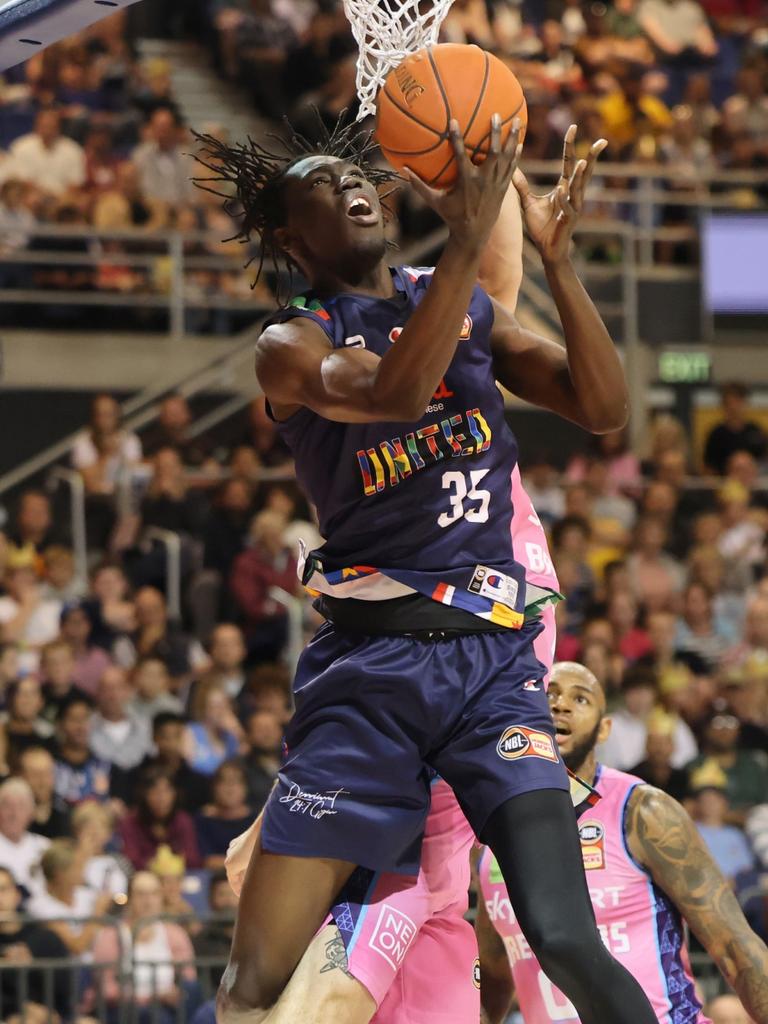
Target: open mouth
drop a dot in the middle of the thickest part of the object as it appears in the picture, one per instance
(359, 209)
(562, 732)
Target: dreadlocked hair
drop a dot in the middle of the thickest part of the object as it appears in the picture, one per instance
(257, 173)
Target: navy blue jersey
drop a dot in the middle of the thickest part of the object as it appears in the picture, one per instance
(419, 507)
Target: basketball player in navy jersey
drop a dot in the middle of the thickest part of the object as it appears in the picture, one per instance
(383, 383)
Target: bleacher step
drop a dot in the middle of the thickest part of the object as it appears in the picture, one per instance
(204, 98)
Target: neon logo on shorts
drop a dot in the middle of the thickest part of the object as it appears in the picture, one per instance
(520, 741)
(393, 934)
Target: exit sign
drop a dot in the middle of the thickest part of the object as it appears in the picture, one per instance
(685, 367)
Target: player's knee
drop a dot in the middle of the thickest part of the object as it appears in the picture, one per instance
(245, 989)
(564, 951)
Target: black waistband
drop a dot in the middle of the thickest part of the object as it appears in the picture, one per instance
(413, 615)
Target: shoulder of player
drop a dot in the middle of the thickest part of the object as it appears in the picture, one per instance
(282, 340)
(656, 824)
(285, 353)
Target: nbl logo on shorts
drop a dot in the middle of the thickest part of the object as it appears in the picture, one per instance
(519, 741)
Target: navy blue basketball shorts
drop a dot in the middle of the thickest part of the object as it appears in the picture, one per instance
(377, 716)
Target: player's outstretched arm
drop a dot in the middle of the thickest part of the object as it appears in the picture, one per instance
(662, 837)
(496, 986)
(584, 382)
(296, 365)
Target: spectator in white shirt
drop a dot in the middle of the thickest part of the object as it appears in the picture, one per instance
(26, 616)
(65, 903)
(625, 747)
(165, 170)
(46, 157)
(93, 826)
(119, 734)
(104, 450)
(20, 849)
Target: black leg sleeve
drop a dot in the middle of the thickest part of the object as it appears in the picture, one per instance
(535, 840)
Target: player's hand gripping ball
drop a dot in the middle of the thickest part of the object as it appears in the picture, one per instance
(427, 90)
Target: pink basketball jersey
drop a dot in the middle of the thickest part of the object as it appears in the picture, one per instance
(530, 541)
(638, 922)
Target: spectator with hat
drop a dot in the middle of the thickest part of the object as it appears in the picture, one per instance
(656, 768)
(745, 771)
(626, 744)
(170, 869)
(158, 821)
(26, 616)
(727, 844)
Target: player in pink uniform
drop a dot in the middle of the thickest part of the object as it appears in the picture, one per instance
(648, 872)
(426, 920)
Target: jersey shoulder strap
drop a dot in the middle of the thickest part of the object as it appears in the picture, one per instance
(306, 307)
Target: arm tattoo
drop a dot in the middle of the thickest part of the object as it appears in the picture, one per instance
(336, 956)
(665, 841)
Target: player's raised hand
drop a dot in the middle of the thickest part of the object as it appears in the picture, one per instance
(551, 218)
(471, 207)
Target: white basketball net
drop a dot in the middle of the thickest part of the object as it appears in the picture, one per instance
(386, 31)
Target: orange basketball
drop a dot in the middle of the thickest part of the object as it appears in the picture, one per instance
(421, 95)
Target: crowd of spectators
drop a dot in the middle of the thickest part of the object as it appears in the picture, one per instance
(92, 135)
(136, 745)
(677, 82)
(92, 138)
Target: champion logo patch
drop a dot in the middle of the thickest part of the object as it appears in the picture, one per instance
(531, 686)
(519, 741)
(493, 584)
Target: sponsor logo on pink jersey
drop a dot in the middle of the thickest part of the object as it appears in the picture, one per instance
(393, 934)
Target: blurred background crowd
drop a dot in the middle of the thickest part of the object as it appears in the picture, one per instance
(92, 134)
(136, 744)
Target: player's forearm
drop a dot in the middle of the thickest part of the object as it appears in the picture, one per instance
(594, 367)
(744, 965)
(501, 263)
(413, 368)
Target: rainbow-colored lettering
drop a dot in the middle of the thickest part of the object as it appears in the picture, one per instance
(391, 461)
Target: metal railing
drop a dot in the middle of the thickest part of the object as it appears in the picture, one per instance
(75, 984)
(163, 256)
(141, 409)
(79, 984)
(73, 480)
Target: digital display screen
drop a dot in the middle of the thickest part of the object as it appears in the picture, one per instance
(734, 262)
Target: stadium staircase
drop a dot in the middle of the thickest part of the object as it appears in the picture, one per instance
(204, 98)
